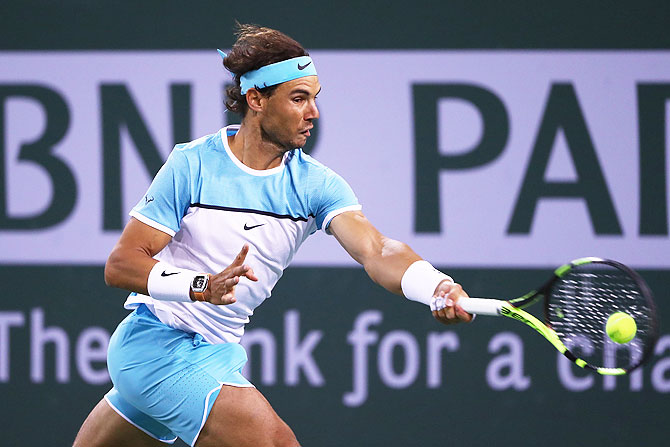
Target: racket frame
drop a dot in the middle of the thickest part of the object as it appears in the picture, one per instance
(514, 309)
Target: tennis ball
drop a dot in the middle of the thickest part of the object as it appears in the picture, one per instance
(621, 327)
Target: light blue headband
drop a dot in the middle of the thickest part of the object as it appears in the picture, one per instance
(276, 73)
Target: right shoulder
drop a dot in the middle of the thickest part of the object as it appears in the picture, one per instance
(198, 151)
(202, 144)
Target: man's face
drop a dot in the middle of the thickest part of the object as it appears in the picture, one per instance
(290, 111)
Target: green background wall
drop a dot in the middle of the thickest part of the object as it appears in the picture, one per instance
(463, 411)
(155, 24)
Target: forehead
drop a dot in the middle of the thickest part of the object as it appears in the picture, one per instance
(309, 84)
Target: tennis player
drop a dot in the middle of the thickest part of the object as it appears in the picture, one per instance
(207, 243)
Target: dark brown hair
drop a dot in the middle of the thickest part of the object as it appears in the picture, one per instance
(256, 47)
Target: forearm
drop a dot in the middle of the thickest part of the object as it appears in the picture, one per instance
(128, 268)
(131, 259)
(388, 263)
(394, 266)
(384, 259)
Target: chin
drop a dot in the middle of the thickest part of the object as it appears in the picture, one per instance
(297, 144)
(301, 142)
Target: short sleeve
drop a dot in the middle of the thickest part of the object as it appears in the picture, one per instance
(168, 197)
(337, 197)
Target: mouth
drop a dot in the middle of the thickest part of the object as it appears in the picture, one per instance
(306, 131)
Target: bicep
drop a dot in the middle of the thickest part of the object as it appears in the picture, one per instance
(143, 238)
(357, 235)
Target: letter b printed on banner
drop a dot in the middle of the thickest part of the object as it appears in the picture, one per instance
(39, 152)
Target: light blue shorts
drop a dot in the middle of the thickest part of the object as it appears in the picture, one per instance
(166, 380)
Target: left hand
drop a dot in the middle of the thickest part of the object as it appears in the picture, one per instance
(451, 313)
(221, 287)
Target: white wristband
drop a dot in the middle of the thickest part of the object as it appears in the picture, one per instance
(420, 280)
(169, 283)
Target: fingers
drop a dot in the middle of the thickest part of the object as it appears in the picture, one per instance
(249, 274)
(228, 298)
(244, 270)
(444, 305)
(230, 283)
(237, 267)
(461, 314)
(241, 256)
(223, 288)
(223, 284)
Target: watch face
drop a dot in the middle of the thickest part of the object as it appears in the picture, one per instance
(199, 283)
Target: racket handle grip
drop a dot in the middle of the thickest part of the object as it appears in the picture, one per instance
(481, 306)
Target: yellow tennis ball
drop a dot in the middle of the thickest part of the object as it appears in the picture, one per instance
(621, 327)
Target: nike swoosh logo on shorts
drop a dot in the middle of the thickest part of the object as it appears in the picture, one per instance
(302, 67)
(247, 227)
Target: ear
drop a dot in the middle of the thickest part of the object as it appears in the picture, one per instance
(255, 100)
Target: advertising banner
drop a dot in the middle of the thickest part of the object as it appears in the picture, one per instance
(343, 362)
(474, 158)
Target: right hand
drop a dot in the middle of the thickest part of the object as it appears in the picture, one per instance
(221, 287)
(449, 311)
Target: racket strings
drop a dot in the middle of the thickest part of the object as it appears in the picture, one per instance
(579, 305)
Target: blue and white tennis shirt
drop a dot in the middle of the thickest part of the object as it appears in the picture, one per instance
(212, 204)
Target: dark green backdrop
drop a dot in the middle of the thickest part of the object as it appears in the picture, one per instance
(464, 411)
(168, 24)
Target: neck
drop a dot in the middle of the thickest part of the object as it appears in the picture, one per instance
(256, 152)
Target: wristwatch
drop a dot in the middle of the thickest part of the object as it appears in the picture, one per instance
(199, 285)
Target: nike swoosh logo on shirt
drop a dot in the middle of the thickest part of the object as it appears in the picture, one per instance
(247, 227)
(169, 274)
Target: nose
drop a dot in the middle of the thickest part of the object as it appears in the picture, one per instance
(312, 111)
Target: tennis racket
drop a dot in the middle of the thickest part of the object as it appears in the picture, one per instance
(578, 300)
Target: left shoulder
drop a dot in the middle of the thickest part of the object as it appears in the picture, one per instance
(306, 165)
(298, 158)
